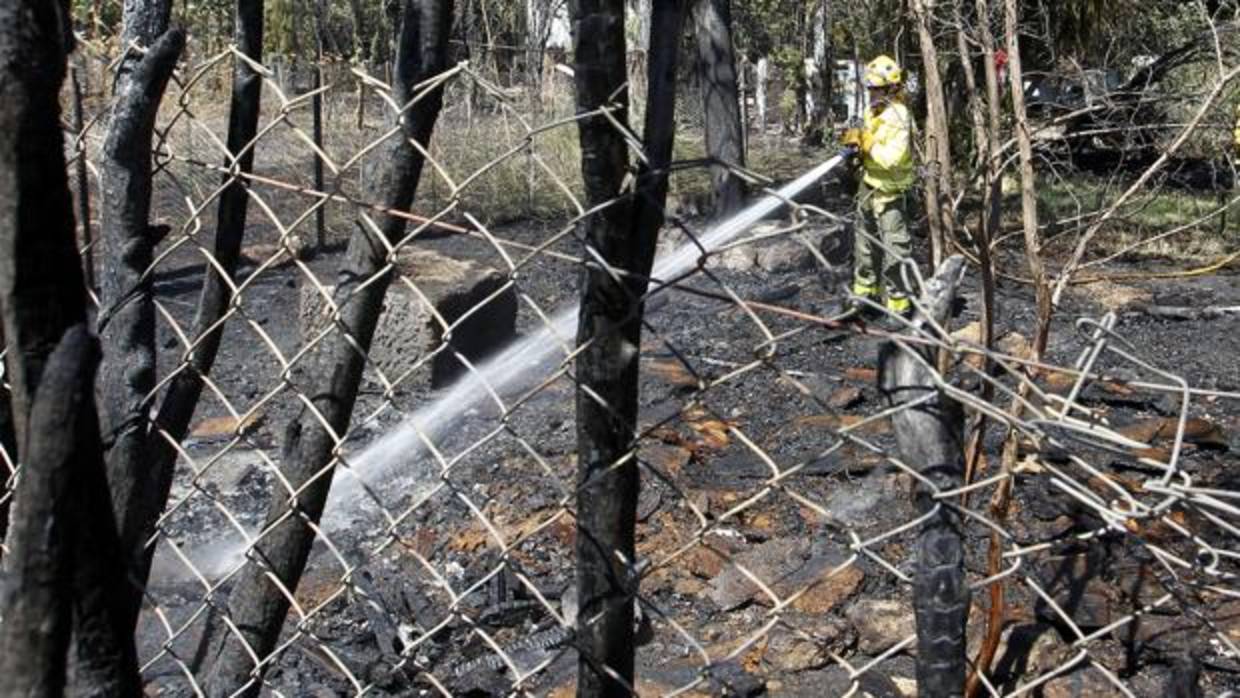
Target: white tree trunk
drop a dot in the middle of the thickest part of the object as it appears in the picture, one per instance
(639, 19)
(762, 72)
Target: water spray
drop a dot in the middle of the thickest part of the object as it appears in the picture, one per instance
(533, 354)
(526, 361)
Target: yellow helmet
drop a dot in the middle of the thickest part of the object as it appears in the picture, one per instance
(883, 72)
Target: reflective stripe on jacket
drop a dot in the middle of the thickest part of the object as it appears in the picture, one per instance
(887, 147)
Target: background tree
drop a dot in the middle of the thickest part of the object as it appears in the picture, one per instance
(712, 27)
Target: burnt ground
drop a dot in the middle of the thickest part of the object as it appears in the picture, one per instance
(393, 618)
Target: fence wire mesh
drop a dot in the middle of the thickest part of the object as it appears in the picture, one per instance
(776, 534)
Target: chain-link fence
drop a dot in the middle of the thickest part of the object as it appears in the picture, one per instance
(783, 527)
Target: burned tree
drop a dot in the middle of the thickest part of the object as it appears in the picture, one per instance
(63, 541)
(257, 605)
(609, 331)
(929, 433)
(140, 501)
(716, 67)
(127, 315)
(60, 579)
(620, 240)
(41, 302)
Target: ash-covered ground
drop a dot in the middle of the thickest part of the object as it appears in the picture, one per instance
(415, 581)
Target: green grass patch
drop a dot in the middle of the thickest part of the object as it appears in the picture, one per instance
(1162, 223)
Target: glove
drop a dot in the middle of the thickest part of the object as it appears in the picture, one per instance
(867, 142)
(850, 143)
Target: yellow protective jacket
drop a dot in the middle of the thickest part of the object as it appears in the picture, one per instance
(1235, 134)
(887, 150)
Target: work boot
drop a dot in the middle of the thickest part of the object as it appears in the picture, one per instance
(860, 307)
(862, 302)
(899, 312)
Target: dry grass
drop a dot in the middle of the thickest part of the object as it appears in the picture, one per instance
(497, 154)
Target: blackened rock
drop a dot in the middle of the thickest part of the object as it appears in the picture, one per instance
(1075, 583)
(648, 503)
(778, 293)
(1084, 683)
(1164, 634)
(729, 679)
(881, 624)
(430, 293)
(772, 562)
(785, 256)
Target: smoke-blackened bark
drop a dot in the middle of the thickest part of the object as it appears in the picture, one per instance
(139, 502)
(38, 306)
(712, 25)
(930, 437)
(38, 589)
(127, 317)
(257, 607)
(45, 296)
(660, 132)
(620, 239)
(607, 477)
(61, 582)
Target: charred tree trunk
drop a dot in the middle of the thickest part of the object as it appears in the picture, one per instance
(621, 238)
(257, 606)
(929, 437)
(37, 593)
(41, 300)
(61, 579)
(140, 501)
(609, 330)
(127, 319)
(60, 516)
(660, 131)
(38, 307)
(104, 661)
(712, 26)
(361, 33)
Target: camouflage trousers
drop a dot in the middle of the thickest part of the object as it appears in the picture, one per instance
(876, 267)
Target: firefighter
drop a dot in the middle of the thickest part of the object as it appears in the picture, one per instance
(883, 144)
(1235, 134)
